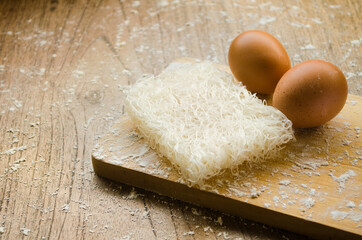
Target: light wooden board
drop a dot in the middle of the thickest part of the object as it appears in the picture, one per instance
(314, 188)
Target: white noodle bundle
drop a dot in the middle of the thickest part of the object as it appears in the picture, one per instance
(203, 122)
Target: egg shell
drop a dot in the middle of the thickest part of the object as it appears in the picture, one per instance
(258, 60)
(311, 93)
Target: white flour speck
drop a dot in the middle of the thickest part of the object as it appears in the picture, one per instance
(12, 151)
(16, 165)
(136, 3)
(25, 231)
(285, 182)
(307, 202)
(267, 205)
(339, 215)
(299, 25)
(350, 75)
(308, 47)
(276, 200)
(78, 73)
(356, 42)
(254, 192)
(65, 207)
(99, 153)
(162, 3)
(18, 103)
(350, 204)
(133, 194)
(316, 20)
(189, 233)
(352, 215)
(312, 192)
(266, 20)
(353, 103)
(343, 179)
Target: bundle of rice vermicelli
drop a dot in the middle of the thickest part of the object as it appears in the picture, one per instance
(203, 122)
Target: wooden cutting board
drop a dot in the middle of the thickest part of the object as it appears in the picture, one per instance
(313, 188)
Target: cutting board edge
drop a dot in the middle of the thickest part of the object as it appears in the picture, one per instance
(218, 202)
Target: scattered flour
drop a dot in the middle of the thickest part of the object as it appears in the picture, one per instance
(78, 73)
(308, 47)
(311, 164)
(162, 3)
(276, 200)
(355, 216)
(284, 182)
(350, 204)
(266, 20)
(18, 103)
(136, 4)
(307, 202)
(350, 75)
(98, 152)
(343, 179)
(254, 193)
(25, 231)
(341, 215)
(12, 151)
(356, 42)
(132, 195)
(312, 192)
(299, 25)
(267, 205)
(237, 192)
(188, 233)
(65, 207)
(283, 195)
(224, 234)
(16, 165)
(316, 20)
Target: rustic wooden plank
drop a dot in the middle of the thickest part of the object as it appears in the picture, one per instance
(57, 56)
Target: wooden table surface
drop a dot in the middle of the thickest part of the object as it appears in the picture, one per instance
(62, 64)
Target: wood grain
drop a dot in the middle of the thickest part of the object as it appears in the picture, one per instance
(61, 64)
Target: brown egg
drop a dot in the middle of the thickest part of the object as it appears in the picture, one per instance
(311, 93)
(258, 60)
